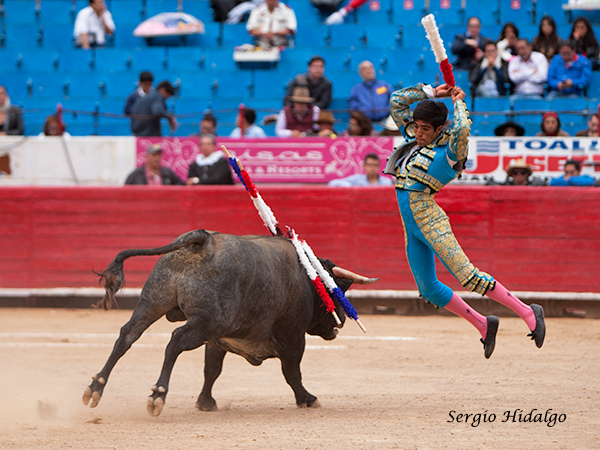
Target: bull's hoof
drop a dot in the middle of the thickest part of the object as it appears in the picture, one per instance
(94, 392)
(207, 405)
(312, 402)
(156, 401)
(155, 406)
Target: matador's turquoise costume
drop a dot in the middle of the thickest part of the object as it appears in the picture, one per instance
(420, 174)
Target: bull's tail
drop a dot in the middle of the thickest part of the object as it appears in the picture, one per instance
(113, 278)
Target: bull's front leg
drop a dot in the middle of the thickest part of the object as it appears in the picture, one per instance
(290, 366)
(213, 365)
(188, 337)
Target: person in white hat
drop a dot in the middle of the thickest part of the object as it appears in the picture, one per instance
(518, 173)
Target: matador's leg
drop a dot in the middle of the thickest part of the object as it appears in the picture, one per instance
(435, 226)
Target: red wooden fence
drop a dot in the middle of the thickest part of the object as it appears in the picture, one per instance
(531, 239)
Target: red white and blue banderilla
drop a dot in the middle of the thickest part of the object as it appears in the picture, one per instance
(313, 267)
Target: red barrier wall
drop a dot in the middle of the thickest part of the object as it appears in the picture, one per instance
(531, 239)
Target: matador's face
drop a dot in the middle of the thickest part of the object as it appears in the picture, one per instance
(425, 134)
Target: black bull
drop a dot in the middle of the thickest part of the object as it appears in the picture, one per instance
(246, 295)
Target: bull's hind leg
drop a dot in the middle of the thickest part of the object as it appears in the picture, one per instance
(290, 366)
(187, 337)
(213, 364)
(140, 320)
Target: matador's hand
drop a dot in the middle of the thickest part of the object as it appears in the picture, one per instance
(443, 90)
(457, 94)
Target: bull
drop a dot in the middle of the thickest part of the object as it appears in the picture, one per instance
(247, 295)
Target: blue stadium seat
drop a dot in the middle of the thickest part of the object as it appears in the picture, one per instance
(77, 60)
(374, 18)
(266, 87)
(407, 17)
(154, 7)
(200, 9)
(18, 85)
(453, 15)
(485, 125)
(113, 59)
(524, 104)
(198, 84)
(58, 36)
(84, 85)
(20, 12)
(219, 59)
(568, 104)
(594, 89)
(126, 13)
(492, 104)
(305, 11)
(56, 12)
(520, 17)
(149, 58)
(117, 85)
(312, 37)
(186, 58)
(234, 35)
(23, 36)
(49, 85)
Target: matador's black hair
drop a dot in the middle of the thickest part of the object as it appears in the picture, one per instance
(435, 113)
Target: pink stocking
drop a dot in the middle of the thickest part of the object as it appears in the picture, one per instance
(458, 306)
(504, 297)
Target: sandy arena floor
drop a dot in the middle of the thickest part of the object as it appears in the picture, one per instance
(398, 386)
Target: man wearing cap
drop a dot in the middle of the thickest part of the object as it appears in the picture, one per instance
(519, 174)
(371, 177)
(325, 125)
(300, 118)
(153, 172)
(250, 129)
(148, 111)
(509, 129)
(372, 96)
(318, 85)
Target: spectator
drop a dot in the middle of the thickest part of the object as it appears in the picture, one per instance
(489, 76)
(145, 82)
(271, 23)
(547, 41)
(11, 117)
(149, 110)
(52, 127)
(207, 126)
(551, 126)
(370, 177)
(92, 25)
(582, 33)
(509, 129)
(325, 125)
(372, 96)
(592, 129)
(507, 40)
(318, 85)
(300, 118)
(210, 166)
(468, 47)
(359, 125)
(572, 176)
(153, 172)
(569, 73)
(389, 128)
(518, 173)
(250, 130)
(528, 71)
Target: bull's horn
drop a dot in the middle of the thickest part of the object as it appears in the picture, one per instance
(358, 279)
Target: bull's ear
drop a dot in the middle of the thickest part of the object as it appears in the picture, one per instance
(346, 274)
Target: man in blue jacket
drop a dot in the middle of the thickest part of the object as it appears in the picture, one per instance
(572, 176)
(569, 73)
(372, 96)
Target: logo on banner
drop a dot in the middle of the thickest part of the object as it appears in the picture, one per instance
(445, 4)
(374, 5)
(409, 4)
(515, 4)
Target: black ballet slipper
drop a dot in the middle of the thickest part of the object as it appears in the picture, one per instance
(540, 326)
(490, 336)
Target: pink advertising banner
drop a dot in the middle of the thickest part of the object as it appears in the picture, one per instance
(274, 160)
